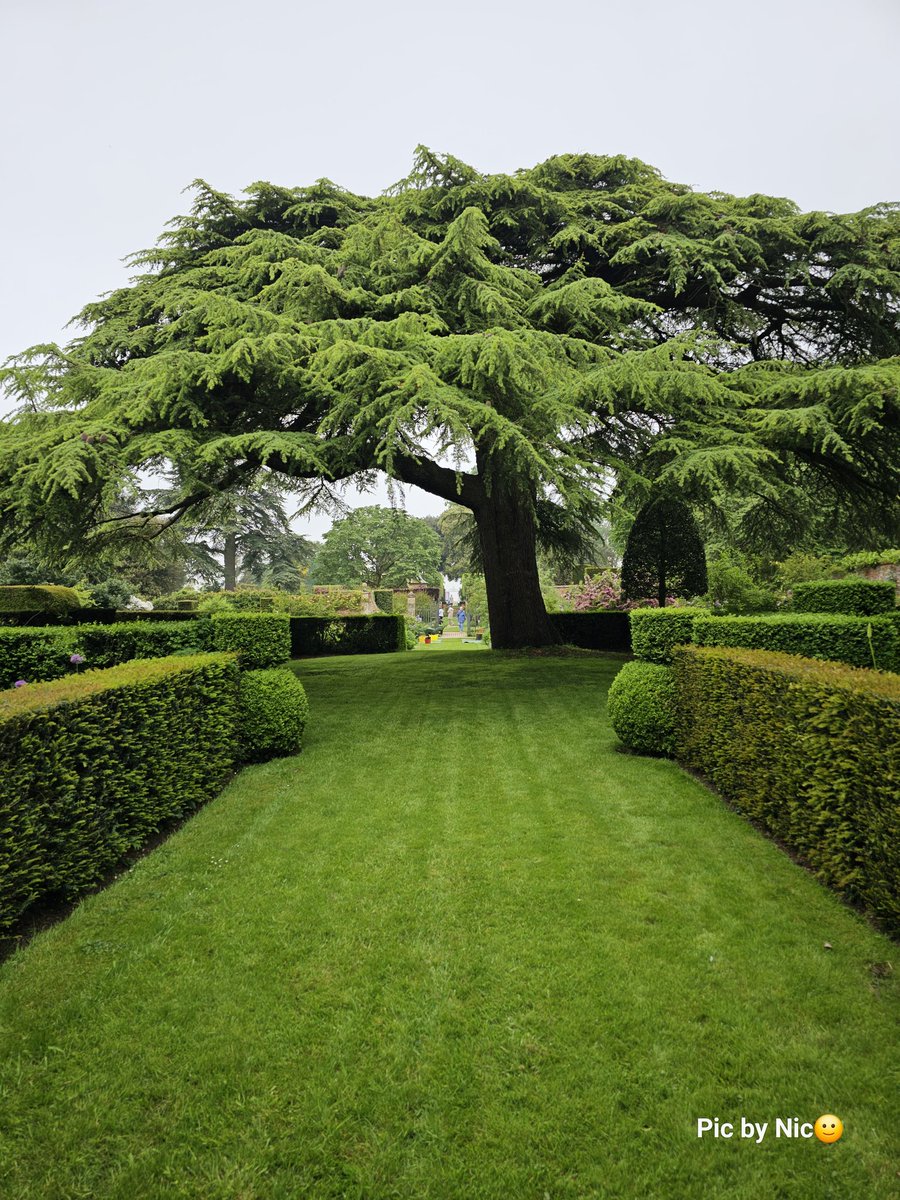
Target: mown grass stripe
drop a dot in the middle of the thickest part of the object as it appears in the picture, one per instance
(460, 947)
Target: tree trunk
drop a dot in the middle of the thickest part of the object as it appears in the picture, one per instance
(230, 562)
(507, 533)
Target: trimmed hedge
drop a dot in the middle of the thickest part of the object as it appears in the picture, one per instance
(261, 639)
(95, 763)
(108, 645)
(36, 654)
(641, 704)
(811, 750)
(273, 710)
(835, 637)
(377, 634)
(43, 597)
(855, 597)
(656, 631)
(593, 630)
(93, 616)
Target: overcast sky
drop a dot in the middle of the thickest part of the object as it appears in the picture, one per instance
(109, 108)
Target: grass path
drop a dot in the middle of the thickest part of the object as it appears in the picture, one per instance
(460, 948)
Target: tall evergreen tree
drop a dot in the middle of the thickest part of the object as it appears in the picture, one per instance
(546, 334)
(663, 554)
(246, 527)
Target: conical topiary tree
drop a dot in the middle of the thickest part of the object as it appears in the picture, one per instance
(664, 553)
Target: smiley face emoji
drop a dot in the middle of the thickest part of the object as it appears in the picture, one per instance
(828, 1128)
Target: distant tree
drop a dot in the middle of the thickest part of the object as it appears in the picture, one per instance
(664, 554)
(378, 547)
(242, 535)
(25, 566)
(459, 538)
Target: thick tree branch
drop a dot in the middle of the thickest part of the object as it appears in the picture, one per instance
(462, 488)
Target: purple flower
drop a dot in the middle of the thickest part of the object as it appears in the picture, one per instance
(76, 659)
(20, 683)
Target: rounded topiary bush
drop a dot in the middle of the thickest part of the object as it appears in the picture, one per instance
(273, 713)
(641, 707)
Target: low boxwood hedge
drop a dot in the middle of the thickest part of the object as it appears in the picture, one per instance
(377, 634)
(855, 597)
(656, 631)
(593, 630)
(94, 763)
(857, 641)
(261, 639)
(641, 707)
(810, 750)
(273, 713)
(108, 645)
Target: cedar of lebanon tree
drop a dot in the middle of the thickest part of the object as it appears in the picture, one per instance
(517, 344)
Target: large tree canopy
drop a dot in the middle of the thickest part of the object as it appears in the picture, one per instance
(518, 344)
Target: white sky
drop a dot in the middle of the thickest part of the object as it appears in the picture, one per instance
(109, 108)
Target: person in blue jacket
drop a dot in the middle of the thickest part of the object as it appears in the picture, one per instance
(461, 616)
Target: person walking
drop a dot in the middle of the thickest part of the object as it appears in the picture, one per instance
(461, 616)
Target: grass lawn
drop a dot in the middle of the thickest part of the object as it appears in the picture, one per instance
(459, 948)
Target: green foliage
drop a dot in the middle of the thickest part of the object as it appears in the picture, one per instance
(811, 751)
(655, 632)
(461, 549)
(272, 713)
(261, 639)
(320, 603)
(242, 599)
(108, 645)
(802, 567)
(95, 763)
(246, 527)
(858, 641)
(333, 601)
(36, 654)
(580, 322)
(641, 707)
(379, 547)
(870, 558)
(23, 566)
(410, 633)
(378, 634)
(859, 597)
(110, 593)
(40, 598)
(732, 589)
(664, 554)
(474, 593)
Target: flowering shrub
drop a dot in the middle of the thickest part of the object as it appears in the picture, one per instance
(603, 593)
